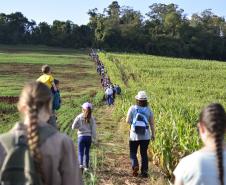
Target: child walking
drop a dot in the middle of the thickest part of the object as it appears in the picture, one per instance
(49, 81)
(47, 77)
(56, 103)
(86, 125)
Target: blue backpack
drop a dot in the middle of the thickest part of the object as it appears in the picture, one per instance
(140, 122)
(56, 101)
(118, 90)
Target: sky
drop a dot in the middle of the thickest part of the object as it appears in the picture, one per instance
(76, 10)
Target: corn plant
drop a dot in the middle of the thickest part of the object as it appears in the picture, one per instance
(177, 89)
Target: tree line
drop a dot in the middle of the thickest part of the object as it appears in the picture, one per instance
(166, 31)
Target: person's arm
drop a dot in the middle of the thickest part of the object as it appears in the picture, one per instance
(152, 125)
(180, 172)
(76, 123)
(94, 131)
(51, 79)
(129, 116)
(69, 168)
(54, 86)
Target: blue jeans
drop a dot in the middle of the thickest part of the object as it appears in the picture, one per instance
(110, 99)
(84, 143)
(133, 146)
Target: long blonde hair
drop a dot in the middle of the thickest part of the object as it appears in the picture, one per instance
(87, 114)
(35, 96)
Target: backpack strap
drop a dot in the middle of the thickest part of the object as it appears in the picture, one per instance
(8, 141)
(45, 132)
(14, 137)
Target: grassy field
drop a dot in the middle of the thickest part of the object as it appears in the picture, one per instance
(78, 83)
(177, 88)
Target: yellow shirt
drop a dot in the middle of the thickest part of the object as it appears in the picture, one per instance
(46, 79)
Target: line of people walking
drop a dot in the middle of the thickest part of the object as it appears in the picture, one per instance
(110, 89)
(208, 163)
(35, 146)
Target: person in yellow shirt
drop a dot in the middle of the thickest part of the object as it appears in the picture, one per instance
(47, 78)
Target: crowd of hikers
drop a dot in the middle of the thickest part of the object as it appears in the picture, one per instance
(110, 89)
(34, 152)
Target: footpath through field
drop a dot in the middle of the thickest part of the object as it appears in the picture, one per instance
(113, 156)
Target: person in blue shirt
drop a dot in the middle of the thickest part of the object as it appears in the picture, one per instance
(56, 103)
(56, 97)
(141, 120)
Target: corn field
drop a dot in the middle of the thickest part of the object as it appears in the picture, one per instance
(177, 89)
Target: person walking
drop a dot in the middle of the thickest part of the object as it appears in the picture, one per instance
(47, 77)
(86, 125)
(109, 95)
(56, 103)
(141, 120)
(33, 142)
(207, 163)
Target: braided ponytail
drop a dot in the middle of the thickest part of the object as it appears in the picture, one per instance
(35, 96)
(214, 118)
(33, 141)
(218, 142)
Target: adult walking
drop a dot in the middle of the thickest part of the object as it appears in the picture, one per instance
(109, 95)
(141, 119)
(34, 144)
(207, 163)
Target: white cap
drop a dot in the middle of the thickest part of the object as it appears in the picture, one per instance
(141, 95)
(87, 105)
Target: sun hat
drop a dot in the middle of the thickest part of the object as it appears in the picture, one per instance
(87, 105)
(141, 95)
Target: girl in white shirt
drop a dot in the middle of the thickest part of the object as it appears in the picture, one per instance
(206, 166)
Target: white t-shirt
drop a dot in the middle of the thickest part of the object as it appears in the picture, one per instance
(109, 91)
(199, 168)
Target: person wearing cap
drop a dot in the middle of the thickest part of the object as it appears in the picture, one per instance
(86, 125)
(143, 138)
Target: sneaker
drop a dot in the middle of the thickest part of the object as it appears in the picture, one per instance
(86, 169)
(81, 168)
(135, 171)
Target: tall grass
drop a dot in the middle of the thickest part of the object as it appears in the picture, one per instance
(177, 90)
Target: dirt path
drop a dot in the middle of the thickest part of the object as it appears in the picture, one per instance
(115, 166)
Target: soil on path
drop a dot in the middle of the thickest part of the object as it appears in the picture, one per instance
(115, 168)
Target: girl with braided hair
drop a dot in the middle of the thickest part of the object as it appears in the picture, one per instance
(206, 166)
(53, 155)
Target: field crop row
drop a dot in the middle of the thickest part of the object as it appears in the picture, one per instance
(177, 89)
